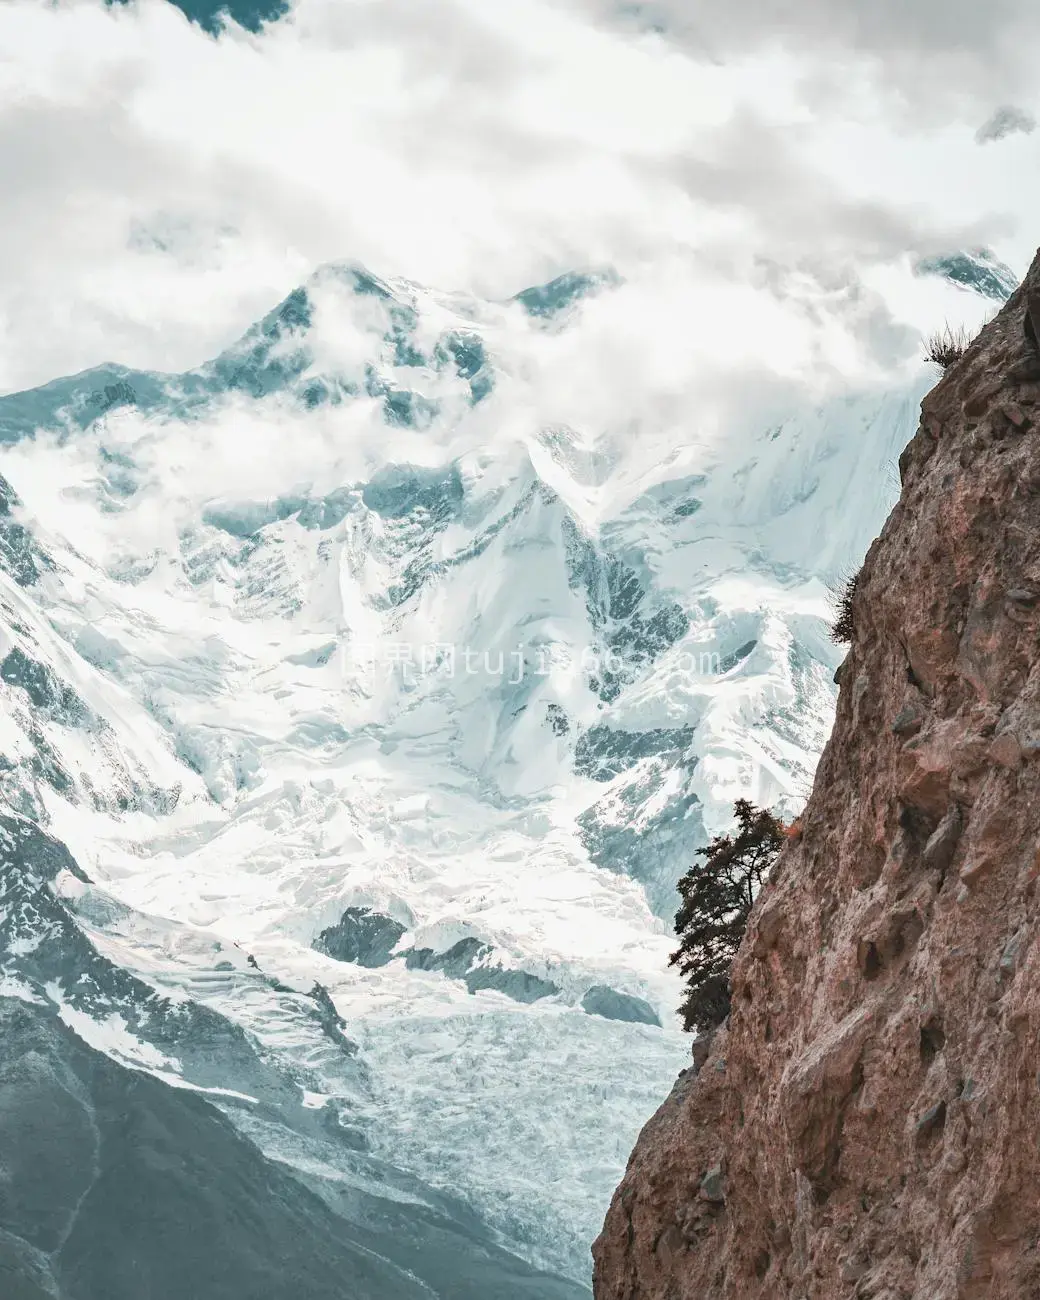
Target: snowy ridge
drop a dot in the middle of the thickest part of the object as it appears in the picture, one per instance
(345, 620)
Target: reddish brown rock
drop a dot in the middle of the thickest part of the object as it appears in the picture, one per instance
(867, 1125)
(1016, 416)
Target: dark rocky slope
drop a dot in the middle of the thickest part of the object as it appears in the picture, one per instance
(116, 1184)
(866, 1125)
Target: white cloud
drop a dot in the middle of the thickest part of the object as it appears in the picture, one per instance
(162, 188)
(929, 57)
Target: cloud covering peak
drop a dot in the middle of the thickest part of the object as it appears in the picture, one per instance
(163, 186)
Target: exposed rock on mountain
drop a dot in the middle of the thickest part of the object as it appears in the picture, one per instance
(864, 1125)
(363, 936)
(976, 270)
(612, 1005)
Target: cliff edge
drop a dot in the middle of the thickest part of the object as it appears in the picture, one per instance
(867, 1125)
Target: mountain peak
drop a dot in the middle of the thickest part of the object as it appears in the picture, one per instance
(975, 269)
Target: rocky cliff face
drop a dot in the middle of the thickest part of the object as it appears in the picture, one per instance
(867, 1123)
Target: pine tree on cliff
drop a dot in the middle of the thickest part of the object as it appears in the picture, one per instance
(716, 901)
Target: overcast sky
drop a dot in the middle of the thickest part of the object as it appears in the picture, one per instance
(161, 188)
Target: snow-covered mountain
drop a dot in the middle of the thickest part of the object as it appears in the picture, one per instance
(976, 270)
(361, 708)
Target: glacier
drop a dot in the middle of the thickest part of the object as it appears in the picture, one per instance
(361, 707)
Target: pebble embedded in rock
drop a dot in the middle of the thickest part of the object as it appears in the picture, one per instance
(942, 844)
(711, 1186)
(908, 722)
(931, 1122)
(981, 400)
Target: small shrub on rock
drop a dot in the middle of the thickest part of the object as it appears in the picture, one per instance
(716, 902)
(843, 628)
(947, 346)
(792, 830)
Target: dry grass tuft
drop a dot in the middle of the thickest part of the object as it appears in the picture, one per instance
(946, 346)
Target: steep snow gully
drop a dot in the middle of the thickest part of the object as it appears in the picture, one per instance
(360, 709)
